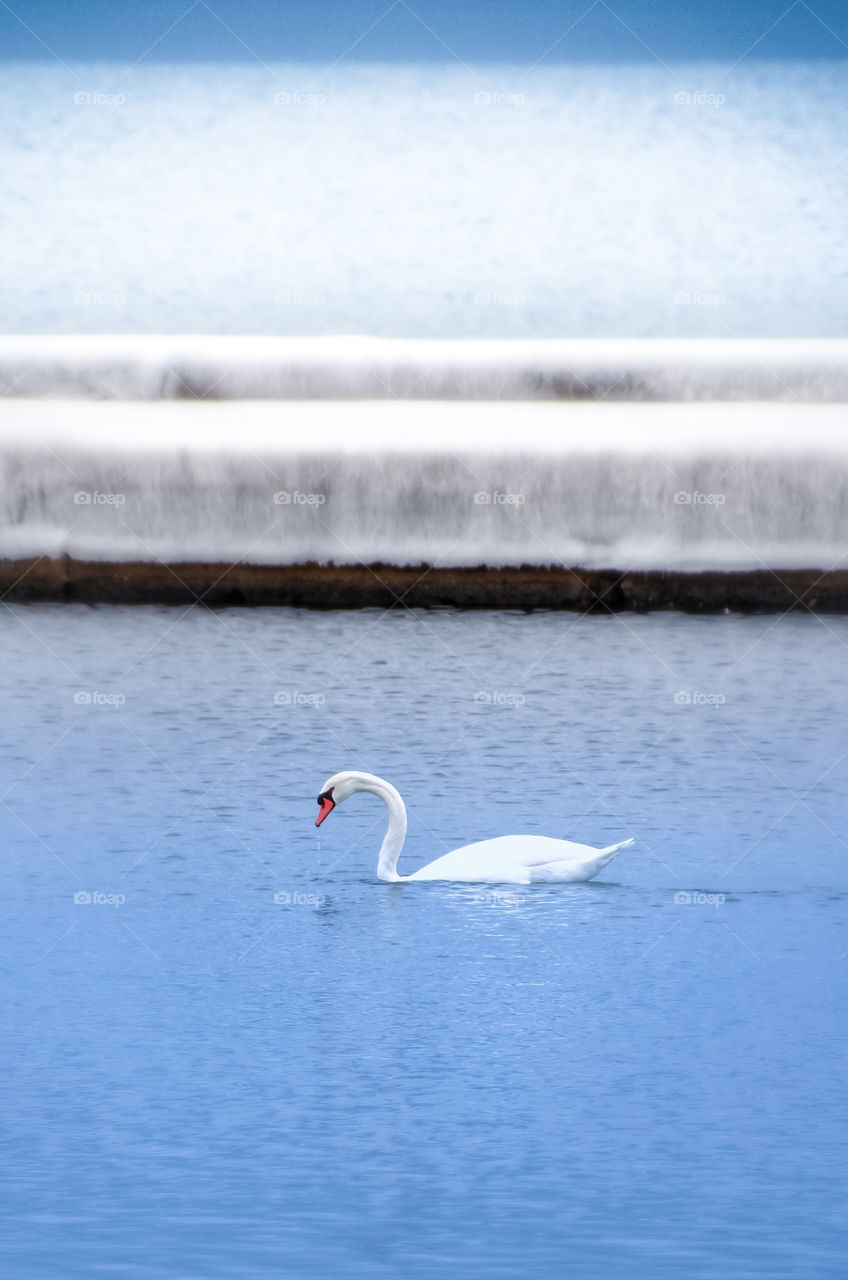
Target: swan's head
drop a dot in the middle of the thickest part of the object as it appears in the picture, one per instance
(342, 785)
(333, 792)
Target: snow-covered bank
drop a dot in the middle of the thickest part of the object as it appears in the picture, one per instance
(142, 367)
(670, 486)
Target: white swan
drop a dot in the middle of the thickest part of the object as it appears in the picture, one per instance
(504, 860)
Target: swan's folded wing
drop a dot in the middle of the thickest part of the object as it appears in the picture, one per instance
(576, 868)
(544, 850)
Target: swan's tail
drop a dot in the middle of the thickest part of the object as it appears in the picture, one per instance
(607, 855)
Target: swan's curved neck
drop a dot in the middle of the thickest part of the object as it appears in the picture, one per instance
(396, 834)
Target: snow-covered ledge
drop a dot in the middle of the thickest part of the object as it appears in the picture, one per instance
(701, 505)
(208, 367)
(624, 487)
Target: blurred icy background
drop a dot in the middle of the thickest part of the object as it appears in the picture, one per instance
(425, 200)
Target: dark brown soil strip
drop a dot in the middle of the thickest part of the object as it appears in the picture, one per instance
(386, 586)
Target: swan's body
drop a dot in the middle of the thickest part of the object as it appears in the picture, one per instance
(504, 860)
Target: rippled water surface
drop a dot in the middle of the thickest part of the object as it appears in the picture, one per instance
(256, 1060)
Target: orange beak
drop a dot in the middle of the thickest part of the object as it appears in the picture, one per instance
(327, 805)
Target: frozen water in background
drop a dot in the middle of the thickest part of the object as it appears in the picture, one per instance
(425, 201)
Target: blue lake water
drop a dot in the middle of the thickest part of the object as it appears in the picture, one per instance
(422, 1080)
